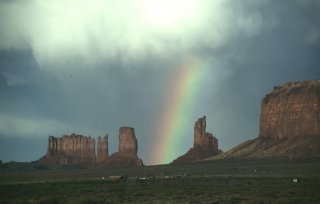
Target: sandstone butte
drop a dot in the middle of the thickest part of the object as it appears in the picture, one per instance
(289, 124)
(204, 145)
(80, 150)
(128, 147)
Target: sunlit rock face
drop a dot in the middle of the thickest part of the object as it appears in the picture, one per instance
(70, 149)
(204, 145)
(128, 148)
(291, 110)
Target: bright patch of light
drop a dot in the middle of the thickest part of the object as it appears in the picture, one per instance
(58, 31)
(165, 13)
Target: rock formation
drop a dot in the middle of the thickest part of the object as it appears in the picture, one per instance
(80, 150)
(128, 147)
(291, 110)
(102, 149)
(289, 124)
(127, 141)
(204, 145)
(203, 139)
(73, 149)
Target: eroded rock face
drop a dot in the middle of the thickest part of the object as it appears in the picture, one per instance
(203, 139)
(205, 144)
(289, 125)
(128, 147)
(102, 149)
(70, 149)
(80, 150)
(127, 141)
(291, 110)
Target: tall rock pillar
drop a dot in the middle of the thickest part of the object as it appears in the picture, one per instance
(204, 144)
(127, 141)
(203, 139)
(102, 149)
(128, 148)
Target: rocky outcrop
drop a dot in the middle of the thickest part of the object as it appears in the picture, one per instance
(80, 150)
(127, 141)
(70, 150)
(123, 160)
(289, 124)
(291, 110)
(204, 145)
(203, 139)
(102, 149)
(128, 147)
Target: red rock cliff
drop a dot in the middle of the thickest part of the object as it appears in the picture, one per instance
(80, 150)
(127, 141)
(291, 110)
(128, 147)
(73, 149)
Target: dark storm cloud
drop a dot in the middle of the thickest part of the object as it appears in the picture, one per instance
(282, 52)
(276, 42)
(21, 149)
(82, 101)
(23, 83)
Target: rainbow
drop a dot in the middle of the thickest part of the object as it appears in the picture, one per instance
(179, 106)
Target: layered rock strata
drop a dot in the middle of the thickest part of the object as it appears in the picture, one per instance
(291, 110)
(204, 145)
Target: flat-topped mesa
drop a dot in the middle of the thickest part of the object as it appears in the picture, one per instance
(128, 148)
(289, 125)
(205, 144)
(102, 149)
(291, 110)
(73, 149)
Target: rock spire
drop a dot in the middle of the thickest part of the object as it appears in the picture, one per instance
(204, 145)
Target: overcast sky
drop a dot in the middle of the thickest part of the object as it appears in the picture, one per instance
(90, 67)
